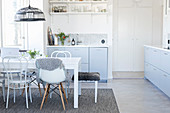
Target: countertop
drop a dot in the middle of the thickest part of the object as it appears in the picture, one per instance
(159, 47)
(81, 46)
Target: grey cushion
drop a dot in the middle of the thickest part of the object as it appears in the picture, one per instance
(49, 63)
(88, 76)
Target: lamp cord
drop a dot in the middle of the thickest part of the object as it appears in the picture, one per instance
(29, 4)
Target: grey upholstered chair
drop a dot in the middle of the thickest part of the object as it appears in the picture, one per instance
(51, 71)
(89, 77)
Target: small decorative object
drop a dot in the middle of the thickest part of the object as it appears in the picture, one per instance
(50, 36)
(62, 37)
(73, 42)
(33, 53)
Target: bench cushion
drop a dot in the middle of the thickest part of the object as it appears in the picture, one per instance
(88, 76)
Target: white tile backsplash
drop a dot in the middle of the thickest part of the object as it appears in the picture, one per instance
(88, 39)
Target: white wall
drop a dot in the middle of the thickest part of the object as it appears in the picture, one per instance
(83, 24)
(166, 26)
(35, 30)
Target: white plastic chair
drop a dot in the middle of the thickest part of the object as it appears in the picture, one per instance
(51, 71)
(17, 63)
(65, 54)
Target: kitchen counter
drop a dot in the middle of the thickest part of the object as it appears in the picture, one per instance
(81, 46)
(159, 47)
(156, 66)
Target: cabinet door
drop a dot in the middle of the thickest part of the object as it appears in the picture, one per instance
(147, 54)
(164, 83)
(79, 52)
(165, 61)
(84, 68)
(147, 70)
(155, 72)
(50, 50)
(144, 3)
(143, 36)
(125, 39)
(99, 62)
(126, 3)
(155, 57)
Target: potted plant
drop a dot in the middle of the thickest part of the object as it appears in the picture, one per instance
(62, 37)
(33, 53)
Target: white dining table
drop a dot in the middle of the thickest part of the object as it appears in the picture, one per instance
(70, 63)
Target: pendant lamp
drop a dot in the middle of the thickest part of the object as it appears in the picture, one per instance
(28, 14)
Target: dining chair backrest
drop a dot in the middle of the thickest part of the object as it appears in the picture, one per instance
(9, 52)
(51, 70)
(61, 54)
(18, 64)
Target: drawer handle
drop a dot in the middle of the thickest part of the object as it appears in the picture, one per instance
(76, 49)
(165, 53)
(165, 75)
(154, 69)
(155, 50)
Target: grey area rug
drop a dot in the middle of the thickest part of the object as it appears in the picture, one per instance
(106, 103)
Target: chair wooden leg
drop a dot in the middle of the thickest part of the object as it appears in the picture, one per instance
(44, 97)
(23, 91)
(64, 92)
(47, 93)
(39, 89)
(61, 97)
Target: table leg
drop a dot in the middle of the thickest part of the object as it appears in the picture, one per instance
(76, 87)
(79, 88)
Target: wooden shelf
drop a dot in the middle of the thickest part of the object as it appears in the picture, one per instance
(78, 2)
(79, 13)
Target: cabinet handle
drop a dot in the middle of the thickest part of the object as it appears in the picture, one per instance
(98, 49)
(165, 75)
(76, 49)
(165, 53)
(154, 69)
(155, 50)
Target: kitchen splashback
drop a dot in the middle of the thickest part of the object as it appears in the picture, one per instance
(88, 39)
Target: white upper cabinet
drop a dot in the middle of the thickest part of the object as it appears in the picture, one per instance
(144, 3)
(132, 3)
(125, 37)
(135, 29)
(126, 3)
(142, 36)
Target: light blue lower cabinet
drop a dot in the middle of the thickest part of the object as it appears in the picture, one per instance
(84, 68)
(93, 59)
(165, 83)
(158, 77)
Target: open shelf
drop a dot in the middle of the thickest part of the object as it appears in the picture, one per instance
(77, 2)
(79, 13)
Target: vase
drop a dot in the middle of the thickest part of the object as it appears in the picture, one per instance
(62, 42)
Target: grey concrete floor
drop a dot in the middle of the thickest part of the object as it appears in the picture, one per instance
(136, 96)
